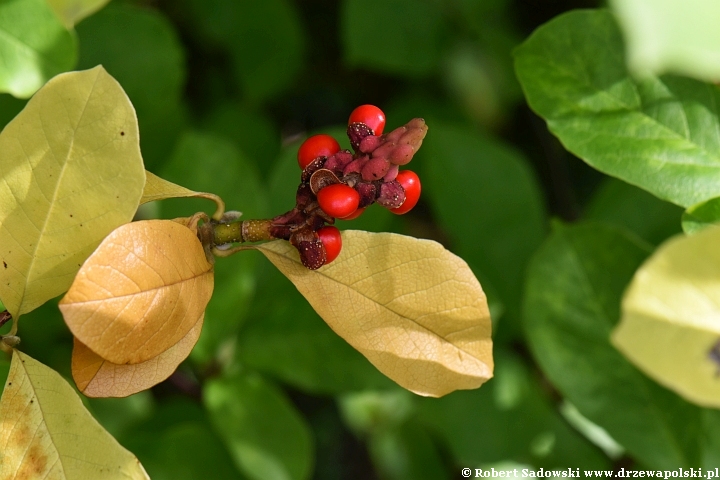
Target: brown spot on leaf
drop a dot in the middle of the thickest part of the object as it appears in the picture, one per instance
(122, 134)
(4, 264)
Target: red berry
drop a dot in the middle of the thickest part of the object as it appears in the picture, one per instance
(411, 184)
(354, 215)
(371, 116)
(332, 241)
(338, 200)
(316, 146)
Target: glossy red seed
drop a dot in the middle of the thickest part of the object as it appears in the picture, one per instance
(332, 241)
(411, 184)
(316, 146)
(371, 116)
(338, 200)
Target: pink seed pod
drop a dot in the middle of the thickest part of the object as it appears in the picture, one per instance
(402, 154)
(375, 169)
(392, 194)
(391, 173)
(370, 143)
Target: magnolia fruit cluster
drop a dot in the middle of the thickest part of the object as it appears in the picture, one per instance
(341, 184)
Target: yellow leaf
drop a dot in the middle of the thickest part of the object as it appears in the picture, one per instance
(670, 325)
(70, 172)
(71, 12)
(415, 310)
(157, 188)
(97, 377)
(46, 432)
(140, 292)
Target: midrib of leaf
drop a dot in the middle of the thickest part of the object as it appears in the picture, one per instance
(41, 230)
(642, 384)
(39, 406)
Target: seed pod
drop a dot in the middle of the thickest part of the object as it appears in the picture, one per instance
(375, 169)
(392, 194)
(339, 161)
(310, 248)
(370, 143)
(391, 173)
(402, 154)
(368, 192)
(356, 132)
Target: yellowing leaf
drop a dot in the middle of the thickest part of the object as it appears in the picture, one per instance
(157, 188)
(412, 308)
(97, 377)
(70, 173)
(141, 291)
(670, 326)
(46, 432)
(72, 12)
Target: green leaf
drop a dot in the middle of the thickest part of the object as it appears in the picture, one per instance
(225, 172)
(287, 339)
(265, 41)
(487, 198)
(711, 450)
(406, 452)
(405, 38)
(622, 204)
(669, 36)
(572, 302)
(72, 12)
(701, 216)
(140, 48)
(189, 451)
(509, 419)
(252, 131)
(659, 133)
(669, 325)
(46, 432)
(72, 173)
(266, 436)
(34, 46)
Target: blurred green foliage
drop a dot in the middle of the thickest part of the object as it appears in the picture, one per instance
(225, 91)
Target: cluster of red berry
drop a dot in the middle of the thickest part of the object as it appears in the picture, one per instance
(339, 184)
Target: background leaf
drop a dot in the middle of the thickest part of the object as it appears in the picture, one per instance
(144, 289)
(666, 36)
(574, 286)
(658, 133)
(668, 327)
(73, 172)
(511, 420)
(701, 216)
(34, 46)
(141, 48)
(72, 12)
(285, 338)
(624, 205)
(406, 35)
(46, 431)
(421, 316)
(266, 436)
